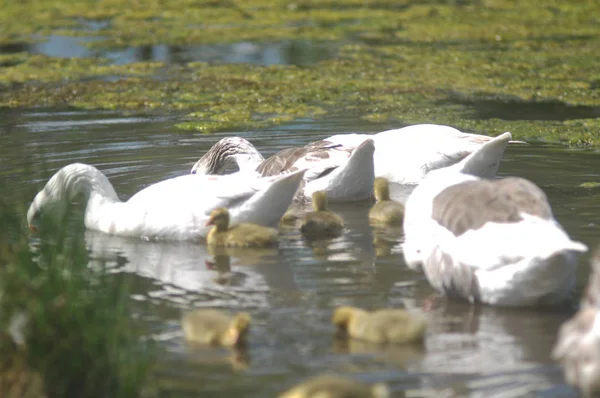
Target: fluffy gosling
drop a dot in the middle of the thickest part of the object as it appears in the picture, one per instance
(380, 326)
(321, 222)
(336, 387)
(241, 235)
(385, 210)
(208, 326)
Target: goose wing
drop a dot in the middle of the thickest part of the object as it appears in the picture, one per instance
(202, 192)
(319, 158)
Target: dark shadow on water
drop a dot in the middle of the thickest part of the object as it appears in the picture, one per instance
(13, 48)
(511, 109)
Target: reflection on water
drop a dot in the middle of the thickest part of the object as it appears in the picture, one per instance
(291, 290)
(288, 52)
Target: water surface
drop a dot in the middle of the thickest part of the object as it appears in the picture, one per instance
(290, 291)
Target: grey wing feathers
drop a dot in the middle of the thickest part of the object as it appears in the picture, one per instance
(284, 160)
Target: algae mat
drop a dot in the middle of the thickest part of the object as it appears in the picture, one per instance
(528, 67)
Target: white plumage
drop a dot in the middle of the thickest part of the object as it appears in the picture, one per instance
(403, 156)
(176, 208)
(345, 173)
(578, 346)
(494, 242)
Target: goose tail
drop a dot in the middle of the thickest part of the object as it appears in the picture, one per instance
(352, 180)
(273, 199)
(484, 162)
(574, 246)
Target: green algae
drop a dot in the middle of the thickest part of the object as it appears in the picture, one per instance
(406, 62)
(589, 185)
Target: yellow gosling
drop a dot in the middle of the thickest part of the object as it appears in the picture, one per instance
(208, 326)
(385, 210)
(321, 222)
(241, 235)
(336, 387)
(380, 326)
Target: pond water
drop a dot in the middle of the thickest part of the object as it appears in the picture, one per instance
(283, 52)
(290, 291)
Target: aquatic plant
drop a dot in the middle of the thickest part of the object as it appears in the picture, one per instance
(486, 67)
(73, 333)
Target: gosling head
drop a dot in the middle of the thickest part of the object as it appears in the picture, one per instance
(219, 218)
(381, 188)
(240, 324)
(342, 316)
(319, 201)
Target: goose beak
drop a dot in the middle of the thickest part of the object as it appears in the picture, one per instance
(33, 228)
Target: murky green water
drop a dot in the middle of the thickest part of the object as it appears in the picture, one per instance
(290, 291)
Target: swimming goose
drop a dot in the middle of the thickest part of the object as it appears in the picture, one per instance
(382, 326)
(329, 386)
(208, 326)
(321, 222)
(176, 208)
(490, 241)
(240, 235)
(578, 345)
(385, 210)
(346, 174)
(402, 156)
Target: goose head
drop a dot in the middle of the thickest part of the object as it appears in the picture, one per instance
(237, 331)
(227, 154)
(319, 201)
(219, 218)
(65, 185)
(381, 188)
(342, 316)
(240, 324)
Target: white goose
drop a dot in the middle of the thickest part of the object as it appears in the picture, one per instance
(402, 156)
(344, 173)
(175, 209)
(495, 242)
(405, 155)
(578, 345)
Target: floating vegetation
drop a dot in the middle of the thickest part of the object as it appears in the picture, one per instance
(404, 62)
(589, 185)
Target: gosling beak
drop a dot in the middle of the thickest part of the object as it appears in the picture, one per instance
(209, 222)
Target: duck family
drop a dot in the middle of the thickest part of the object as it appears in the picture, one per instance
(476, 238)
